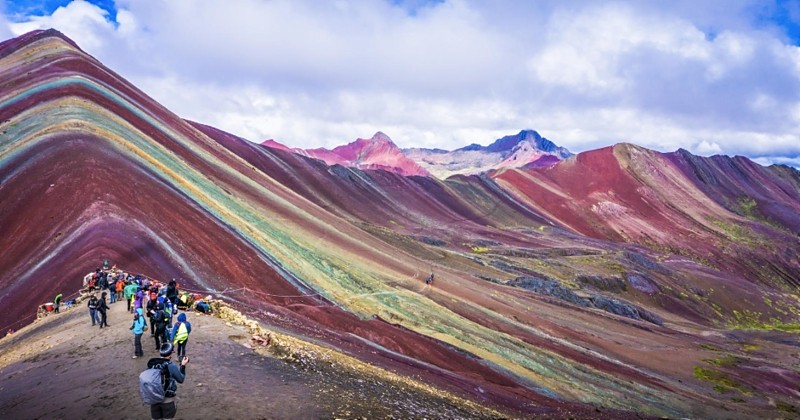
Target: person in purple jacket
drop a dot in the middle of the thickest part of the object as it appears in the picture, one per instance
(139, 299)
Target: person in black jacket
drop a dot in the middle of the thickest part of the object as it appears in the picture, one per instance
(172, 295)
(102, 307)
(159, 324)
(93, 309)
(152, 306)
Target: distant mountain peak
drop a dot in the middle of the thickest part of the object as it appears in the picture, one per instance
(380, 136)
(377, 152)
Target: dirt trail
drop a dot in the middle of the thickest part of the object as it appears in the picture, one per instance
(63, 368)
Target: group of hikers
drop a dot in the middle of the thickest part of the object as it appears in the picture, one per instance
(148, 299)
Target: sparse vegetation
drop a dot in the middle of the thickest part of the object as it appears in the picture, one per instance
(722, 383)
(710, 347)
(786, 407)
(728, 360)
(751, 320)
(735, 232)
(748, 207)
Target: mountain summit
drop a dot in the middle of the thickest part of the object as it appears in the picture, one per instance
(378, 152)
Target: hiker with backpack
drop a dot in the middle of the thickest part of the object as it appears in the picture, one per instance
(159, 383)
(160, 320)
(172, 293)
(180, 334)
(102, 307)
(169, 309)
(138, 327)
(120, 287)
(93, 310)
(152, 307)
(112, 288)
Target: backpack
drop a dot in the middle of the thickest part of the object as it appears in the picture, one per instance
(156, 384)
(160, 318)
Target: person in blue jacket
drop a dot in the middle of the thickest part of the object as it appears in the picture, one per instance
(180, 334)
(138, 329)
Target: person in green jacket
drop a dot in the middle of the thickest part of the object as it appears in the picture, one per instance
(57, 302)
(129, 291)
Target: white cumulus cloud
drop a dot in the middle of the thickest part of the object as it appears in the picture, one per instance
(705, 76)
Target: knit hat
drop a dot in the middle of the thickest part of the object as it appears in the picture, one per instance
(166, 349)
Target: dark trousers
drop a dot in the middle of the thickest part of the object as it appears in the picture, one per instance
(103, 319)
(137, 345)
(129, 304)
(180, 348)
(164, 410)
(161, 336)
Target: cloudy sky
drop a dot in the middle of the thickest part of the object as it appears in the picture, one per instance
(710, 76)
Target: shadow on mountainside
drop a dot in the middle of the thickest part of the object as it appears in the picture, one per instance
(62, 367)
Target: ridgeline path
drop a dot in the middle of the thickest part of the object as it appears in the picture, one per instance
(63, 368)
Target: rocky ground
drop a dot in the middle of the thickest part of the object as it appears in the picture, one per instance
(62, 367)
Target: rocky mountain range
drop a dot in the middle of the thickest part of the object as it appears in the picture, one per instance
(526, 149)
(618, 282)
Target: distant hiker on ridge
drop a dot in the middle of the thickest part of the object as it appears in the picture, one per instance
(429, 279)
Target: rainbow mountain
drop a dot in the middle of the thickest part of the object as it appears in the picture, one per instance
(645, 283)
